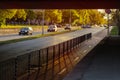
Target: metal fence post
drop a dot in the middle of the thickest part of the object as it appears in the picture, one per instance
(79, 41)
(46, 65)
(70, 45)
(15, 77)
(66, 46)
(64, 54)
(29, 56)
(63, 48)
(53, 62)
(59, 58)
(39, 65)
(75, 42)
(39, 60)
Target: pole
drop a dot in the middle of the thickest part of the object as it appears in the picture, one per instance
(70, 17)
(108, 25)
(43, 22)
(108, 11)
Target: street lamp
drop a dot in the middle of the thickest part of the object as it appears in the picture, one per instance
(108, 11)
(43, 11)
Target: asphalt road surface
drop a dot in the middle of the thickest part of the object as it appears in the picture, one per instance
(15, 49)
(17, 36)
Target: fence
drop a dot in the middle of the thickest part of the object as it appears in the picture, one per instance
(42, 62)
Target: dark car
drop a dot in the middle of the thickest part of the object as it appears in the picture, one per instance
(26, 31)
(67, 27)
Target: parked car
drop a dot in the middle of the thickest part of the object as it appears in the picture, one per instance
(67, 27)
(26, 31)
(52, 28)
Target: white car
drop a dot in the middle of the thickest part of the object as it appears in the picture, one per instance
(67, 27)
(52, 28)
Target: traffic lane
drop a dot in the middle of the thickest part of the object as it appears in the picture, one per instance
(17, 36)
(34, 33)
(14, 49)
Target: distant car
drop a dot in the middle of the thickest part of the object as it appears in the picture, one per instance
(52, 28)
(86, 26)
(26, 31)
(58, 25)
(67, 27)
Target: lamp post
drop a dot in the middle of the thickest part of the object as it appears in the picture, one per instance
(43, 11)
(108, 11)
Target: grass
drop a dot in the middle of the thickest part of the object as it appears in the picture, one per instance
(34, 37)
(21, 26)
(114, 31)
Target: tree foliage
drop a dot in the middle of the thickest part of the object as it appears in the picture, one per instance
(96, 17)
(54, 16)
(73, 16)
(30, 14)
(20, 14)
(6, 14)
(116, 19)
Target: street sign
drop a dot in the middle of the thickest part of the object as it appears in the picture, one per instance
(108, 11)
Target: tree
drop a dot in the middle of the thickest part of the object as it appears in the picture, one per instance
(70, 14)
(84, 16)
(65, 15)
(39, 16)
(116, 19)
(30, 15)
(96, 17)
(74, 16)
(20, 15)
(90, 16)
(53, 15)
(6, 14)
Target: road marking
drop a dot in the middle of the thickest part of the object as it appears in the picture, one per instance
(89, 46)
(85, 51)
(62, 71)
(76, 58)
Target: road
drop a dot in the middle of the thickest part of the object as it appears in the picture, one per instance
(16, 36)
(15, 49)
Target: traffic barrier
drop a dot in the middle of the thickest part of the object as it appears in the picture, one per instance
(43, 61)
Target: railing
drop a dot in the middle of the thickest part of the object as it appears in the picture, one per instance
(42, 62)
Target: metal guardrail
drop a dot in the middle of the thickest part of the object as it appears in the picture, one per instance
(21, 67)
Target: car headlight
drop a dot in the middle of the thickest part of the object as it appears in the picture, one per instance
(26, 31)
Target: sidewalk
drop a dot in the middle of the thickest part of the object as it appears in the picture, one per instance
(78, 72)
